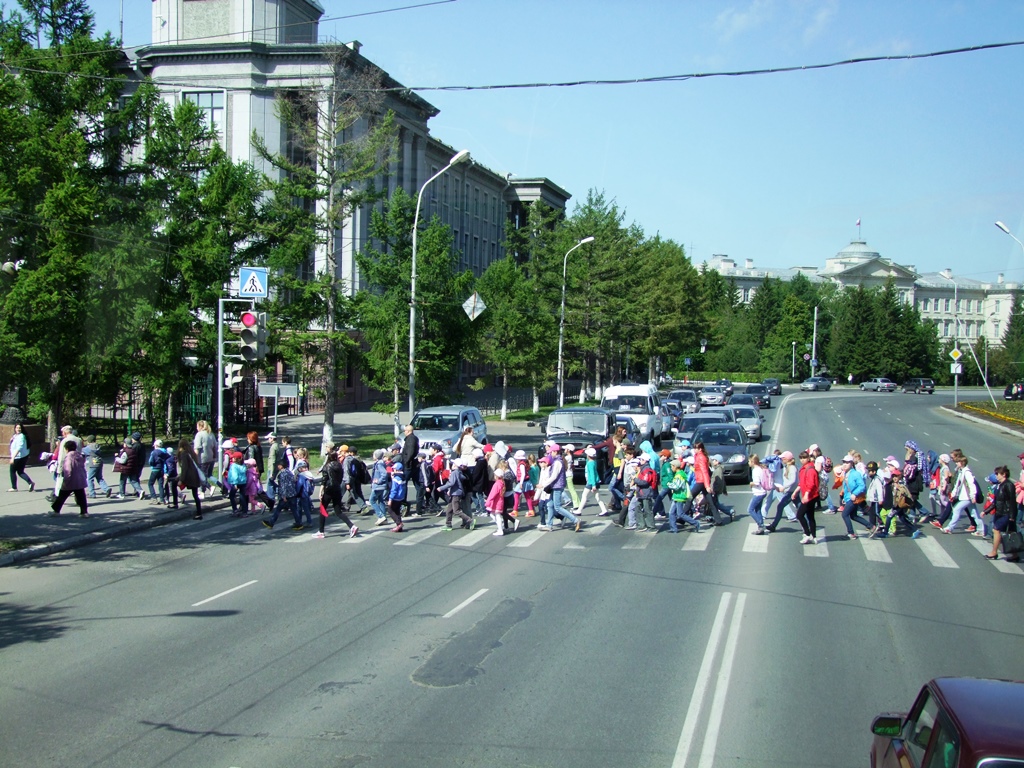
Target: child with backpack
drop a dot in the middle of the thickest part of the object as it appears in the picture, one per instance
(646, 488)
(680, 488)
(524, 485)
(304, 480)
(170, 496)
(495, 503)
(761, 482)
(156, 472)
(237, 478)
(593, 482)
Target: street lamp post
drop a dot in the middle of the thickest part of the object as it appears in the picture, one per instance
(561, 322)
(793, 375)
(461, 157)
(1006, 229)
(956, 338)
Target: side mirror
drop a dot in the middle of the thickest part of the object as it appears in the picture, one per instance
(750, 440)
(888, 725)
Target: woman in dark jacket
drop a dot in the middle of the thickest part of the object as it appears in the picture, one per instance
(189, 475)
(1004, 517)
(255, 451)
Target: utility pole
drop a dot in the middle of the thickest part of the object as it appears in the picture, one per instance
(814, 344)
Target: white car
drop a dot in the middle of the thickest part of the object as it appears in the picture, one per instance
(878, 385)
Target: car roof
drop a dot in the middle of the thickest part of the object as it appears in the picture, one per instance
(986, 712)
(446, 409)
(718, 427)
(582, 409)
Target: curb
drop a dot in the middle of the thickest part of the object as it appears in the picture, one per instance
(115, 531)
(986, 422)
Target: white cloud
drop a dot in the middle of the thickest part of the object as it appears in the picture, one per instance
(820, 19)
(733, 22)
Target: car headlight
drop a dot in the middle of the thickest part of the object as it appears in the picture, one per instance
(736, 458)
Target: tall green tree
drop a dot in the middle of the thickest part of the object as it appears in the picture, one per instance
(339, 139)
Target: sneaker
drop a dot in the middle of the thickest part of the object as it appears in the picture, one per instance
(603, 513)
(353, 532)
(661, 517)
(318, 535)
(197, 517)
(397, 529)
(32, 488)
(543, 527)
(142, 495)
(83, 514)
(813, 540)
(472, 524)
(447, 529)
(979, 534)
(851, 536)
(806, 539)
(946, 530)
(298, 527)
(630, 527)
(119, 496)
(758, 532)
(498, 533)
(616, 523)
(972, 529)
(12, 490)
(381, 521)
(268, 525)
(916, 535)
(579, 525)
(515, 525)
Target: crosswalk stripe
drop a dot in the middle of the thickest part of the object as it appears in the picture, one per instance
(817, 550)
(1000, 565)
(526, 539)
(936, 555)
(598, 527)
(639, 541)
(416, 538)
(363, 536)
(472, 538)
(874, 550)
(698, 542)
(573, 545)
(755, 543)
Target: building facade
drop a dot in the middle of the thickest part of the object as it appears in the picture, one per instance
(981, 309)
(233, 57)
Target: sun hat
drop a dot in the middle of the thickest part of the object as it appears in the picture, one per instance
(520, 456)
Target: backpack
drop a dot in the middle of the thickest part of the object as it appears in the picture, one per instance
(979, 495)
(236, 474)
(827, 466)
(767, 479)
(901, 496)
(913, 478)
(649, 476)
(358, 472)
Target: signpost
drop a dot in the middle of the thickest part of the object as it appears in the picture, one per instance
(956, 369)
(277, 390)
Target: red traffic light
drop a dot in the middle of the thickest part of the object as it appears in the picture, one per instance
(249, 319)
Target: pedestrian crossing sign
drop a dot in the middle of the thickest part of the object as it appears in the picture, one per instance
(253, 283)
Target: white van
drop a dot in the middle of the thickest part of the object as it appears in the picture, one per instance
(643, 404)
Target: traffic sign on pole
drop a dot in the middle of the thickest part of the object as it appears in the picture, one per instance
(253, 283)
(956, 354)
(807, 356)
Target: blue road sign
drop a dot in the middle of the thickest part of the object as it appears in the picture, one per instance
(688, 361)
(814, 362)
(253, 283)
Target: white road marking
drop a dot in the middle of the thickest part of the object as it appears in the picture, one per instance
(226, 592)
(464, 603)
(755, 543)
(701, 686)
(874, 550)
(363, 535)
(1000, 565)
(707, 755)
(926, 434)
(936, 555)
(416, 538)
(573, 545)
(473, 537)
(817, 550)
(639, 540)
(698, 542)
(598, 527)
(528, 538)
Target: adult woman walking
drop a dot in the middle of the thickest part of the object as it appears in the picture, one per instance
(1004, 519)
(20, 447)
(72, 471)
(807, 491)
(190, 476)
(964, 489)
(205, 446)
(254, 451)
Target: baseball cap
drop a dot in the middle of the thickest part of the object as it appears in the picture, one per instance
(591, 451)
(555, 447)
(848, 458)
(269, 436)
(488, 448)
(718, 457)
(893, 463)
(569, 447)
(343, 449)
(813, 447)
(872, 466)
(786, 455)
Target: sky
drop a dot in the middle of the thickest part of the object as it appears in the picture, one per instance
(776, 168)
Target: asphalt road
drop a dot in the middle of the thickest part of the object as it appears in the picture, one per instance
(218, 643)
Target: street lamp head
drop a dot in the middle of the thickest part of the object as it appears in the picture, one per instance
(586, 240)
(461, 157)
(1003, 227)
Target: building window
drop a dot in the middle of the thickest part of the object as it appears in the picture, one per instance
(924, 305)
(997, 306)
(959, 304)
(967, 329)
(948, 326)
(947, 309)
(211, 104)
(995, 329)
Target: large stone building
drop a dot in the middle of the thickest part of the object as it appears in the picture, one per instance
(233, 57)
(941, 297)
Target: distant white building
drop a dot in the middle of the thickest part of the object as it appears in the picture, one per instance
(941, 297)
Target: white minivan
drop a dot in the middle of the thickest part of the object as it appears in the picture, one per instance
(643, 404)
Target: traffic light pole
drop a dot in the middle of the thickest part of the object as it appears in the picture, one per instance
(220, 375)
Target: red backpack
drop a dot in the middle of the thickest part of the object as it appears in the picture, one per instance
(649, 476)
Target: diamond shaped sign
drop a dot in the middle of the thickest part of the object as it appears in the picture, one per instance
(956, 354)
(474, 306)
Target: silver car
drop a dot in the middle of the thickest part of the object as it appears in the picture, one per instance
(444, 424)
(750, 418)
(713, 395)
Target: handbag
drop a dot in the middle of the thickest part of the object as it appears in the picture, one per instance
(1013, 543)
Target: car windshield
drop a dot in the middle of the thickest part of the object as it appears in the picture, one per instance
(627, 403)
(436, 422)
(681, 395)
(692, 422)
(714, 390)
(745, 413)
(756, 389)
(568, 421)
(719, 436)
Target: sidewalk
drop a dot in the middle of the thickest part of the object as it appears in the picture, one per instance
(23, 517)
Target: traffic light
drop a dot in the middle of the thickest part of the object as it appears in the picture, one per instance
(254, 335)
(232, 374)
